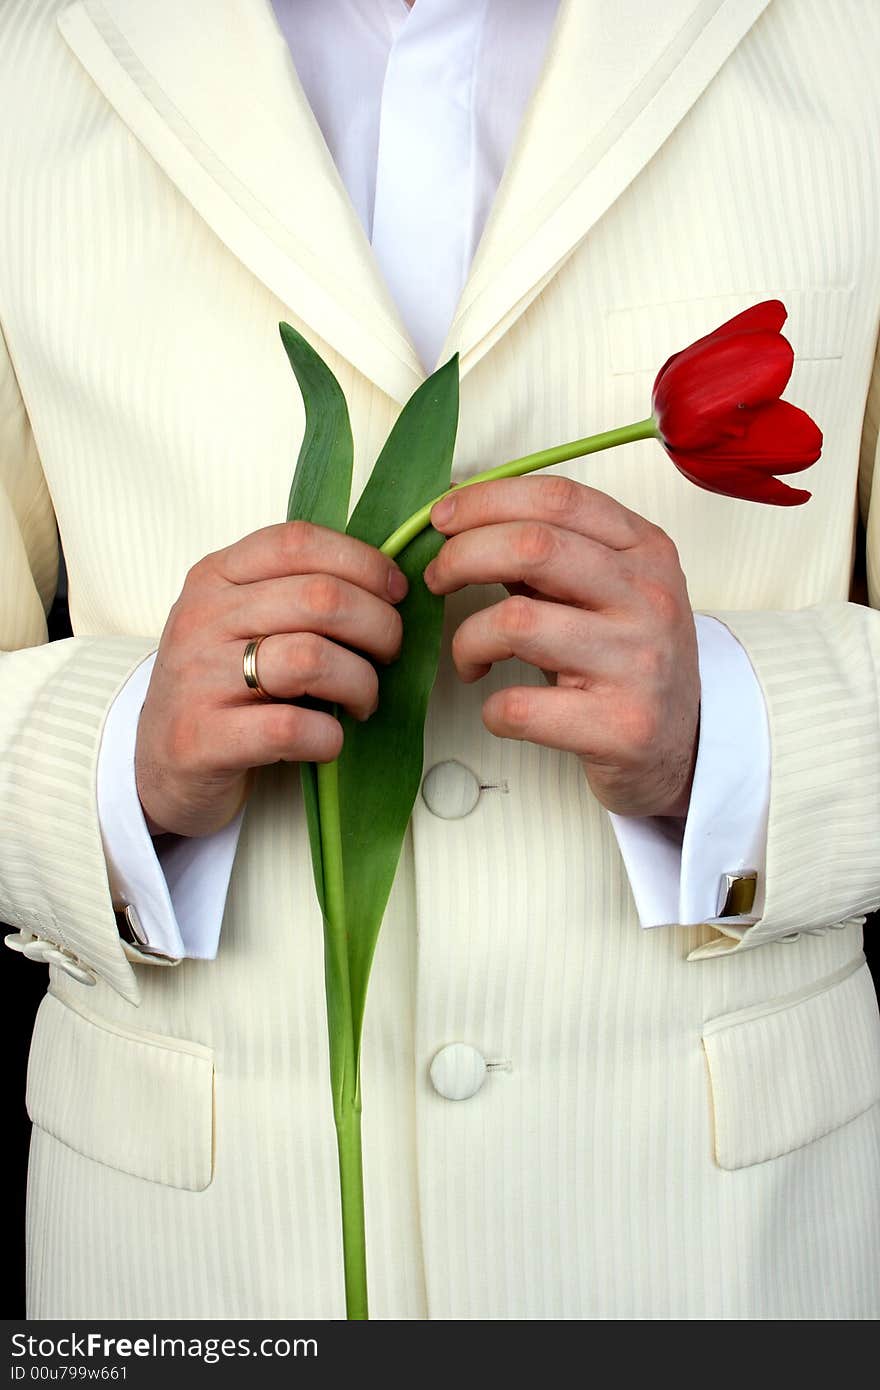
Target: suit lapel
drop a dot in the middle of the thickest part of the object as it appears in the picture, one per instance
(210, 90)
(617, 79)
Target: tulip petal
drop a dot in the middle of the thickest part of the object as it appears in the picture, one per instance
(780, 435)
(768, 317)
(705, 388)
(766, 488)
(749, 486)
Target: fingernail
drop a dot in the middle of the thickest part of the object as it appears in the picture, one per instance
(443, 512)
(397, 584)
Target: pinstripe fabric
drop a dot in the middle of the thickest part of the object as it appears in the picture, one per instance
(814, 1035)
(166, 211)
(151, 1085)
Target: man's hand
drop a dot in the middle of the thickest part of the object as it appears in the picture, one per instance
(201, 729)
(599, 600)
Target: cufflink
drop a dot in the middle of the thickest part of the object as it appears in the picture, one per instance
(133, 935)
(736, 893)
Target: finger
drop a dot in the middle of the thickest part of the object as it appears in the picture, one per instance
(551, 498)
(548, 558)
(548, 635)
(562, 717)
(269, 732)
(299, 547)
(290, 665)
(318, 603)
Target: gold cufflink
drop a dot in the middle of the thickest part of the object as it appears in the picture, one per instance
(736, 893)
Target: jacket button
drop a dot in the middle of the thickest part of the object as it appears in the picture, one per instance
(450, 790)
(71, 967)
(458, 1071)
(37, 949)
(17, 940)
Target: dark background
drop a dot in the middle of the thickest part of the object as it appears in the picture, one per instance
(23, 986)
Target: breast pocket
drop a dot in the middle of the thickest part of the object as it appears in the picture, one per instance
(137, 1101)
(640, 337)
(785, 1073)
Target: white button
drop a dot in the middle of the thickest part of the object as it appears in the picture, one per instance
(71, 967)
(36, 949)
(17, 940)
(458, 1071)
(450, 790)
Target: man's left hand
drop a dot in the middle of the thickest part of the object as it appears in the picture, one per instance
(598, 601)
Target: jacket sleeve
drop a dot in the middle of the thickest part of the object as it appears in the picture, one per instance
(54, 697)
(819, 669)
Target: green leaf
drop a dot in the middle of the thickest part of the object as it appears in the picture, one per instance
(321, 487)
(380, 767)
(358, 808)
(320, 492)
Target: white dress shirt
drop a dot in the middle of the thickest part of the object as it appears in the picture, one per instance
(420, 108)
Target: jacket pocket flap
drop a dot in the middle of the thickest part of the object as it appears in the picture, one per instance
(641, 336)
(785, 1073)
(137, 1101)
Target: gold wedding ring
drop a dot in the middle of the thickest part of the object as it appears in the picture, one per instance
(249, 664)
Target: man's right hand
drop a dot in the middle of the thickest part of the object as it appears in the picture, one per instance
(315, 594)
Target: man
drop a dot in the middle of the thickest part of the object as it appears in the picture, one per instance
(564, 1115)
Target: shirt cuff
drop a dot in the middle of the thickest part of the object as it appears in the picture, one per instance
(676, 865)
(176, 884)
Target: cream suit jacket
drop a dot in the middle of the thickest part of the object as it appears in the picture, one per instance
(675, 1124)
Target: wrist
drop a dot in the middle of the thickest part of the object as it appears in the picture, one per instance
(680, 806)
(154, 829)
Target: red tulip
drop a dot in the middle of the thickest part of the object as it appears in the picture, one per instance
(717, 410)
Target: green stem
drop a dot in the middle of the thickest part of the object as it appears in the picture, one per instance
(351, 1187)
(560, 453)
(343, 1051)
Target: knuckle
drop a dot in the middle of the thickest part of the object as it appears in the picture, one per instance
(559, 494)
(291, 736)
(291, 542)
(373, 568)
(517, 616)
(322, 595)
(648, 663)
(513, 708)
(535, 543)
(662, 544)
(659, 596)
(370, 687)
(309, 659)
(460, 643)
(185, 621)
(296, 536)
(284, 725)
(197, 571)
(642, 727)
(395, 632)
